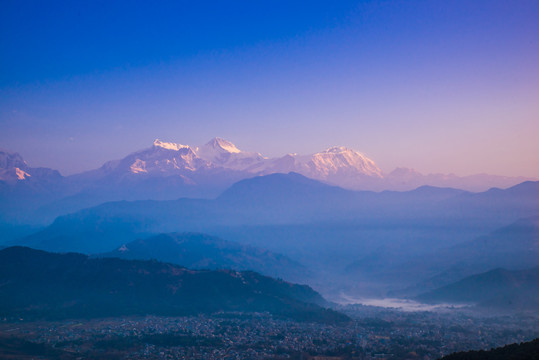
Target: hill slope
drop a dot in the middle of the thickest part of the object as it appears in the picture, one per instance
(499, 288)
(37, 284)
(200, 251)
(282, 199)
(515, 246)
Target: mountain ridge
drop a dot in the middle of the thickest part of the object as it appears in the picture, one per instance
(513, 247)
(38, 284)
(498, 288)
(285, 212)
(202, 251)
(167, 170)
(337, 165)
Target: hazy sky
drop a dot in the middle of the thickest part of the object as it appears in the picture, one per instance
(439, 86)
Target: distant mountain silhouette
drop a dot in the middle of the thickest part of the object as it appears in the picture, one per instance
(285, 186)
(285, 198)
(167, 171)
(23, 188)
(37, 284)
(13, 170)
(514, 247)
(107, 226)
(321, 226)
(200, 251)
(499, 288)
(272, 199)
(403, 179)
(518, 201)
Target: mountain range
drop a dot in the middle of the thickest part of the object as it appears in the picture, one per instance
(514, 247)
(167, 171)
(498, 288)
(37, 284)
(164, 159)
(201, 251)
(288, 199)
(14, 169)
(345, 237)
(271, 215)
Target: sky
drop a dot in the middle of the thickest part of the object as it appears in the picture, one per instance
(438, 86)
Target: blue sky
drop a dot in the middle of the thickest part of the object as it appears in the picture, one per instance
(439, 86)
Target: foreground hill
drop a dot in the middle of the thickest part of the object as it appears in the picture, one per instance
(523, 351)
(501, 289)
(200, 251)
(37, 284)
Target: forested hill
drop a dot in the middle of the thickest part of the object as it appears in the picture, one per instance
(38, 284)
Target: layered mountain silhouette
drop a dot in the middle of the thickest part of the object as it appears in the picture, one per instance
(200, 251)
(398, 238)
(13, 170)
(37, 284)
(282, 199)
(167, 159)
(24, 188)
(167, 171)
(276, 198)
(500, 289)
(513, 247)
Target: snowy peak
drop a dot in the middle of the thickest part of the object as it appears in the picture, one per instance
(168, 158)
(337, 165)
(13, 169)
(222, 145)
(13, 175)
(169, 146)
(219, 163)
(336, 150)
(165, 159)
(341, 159)
(21, 174)
(161, 159)
(223, 153)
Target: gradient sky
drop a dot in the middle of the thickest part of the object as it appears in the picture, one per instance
(439, 86)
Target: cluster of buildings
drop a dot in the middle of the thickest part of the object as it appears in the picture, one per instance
(384, 335)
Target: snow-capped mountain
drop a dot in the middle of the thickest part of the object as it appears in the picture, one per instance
(220, 152)
(219, 163)
(23, 188)
(327, 165)
(337, 165)
(341, 160)
(220, 159)
(168, 159)
(167, 171)
(13, 169)
(161, 159)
